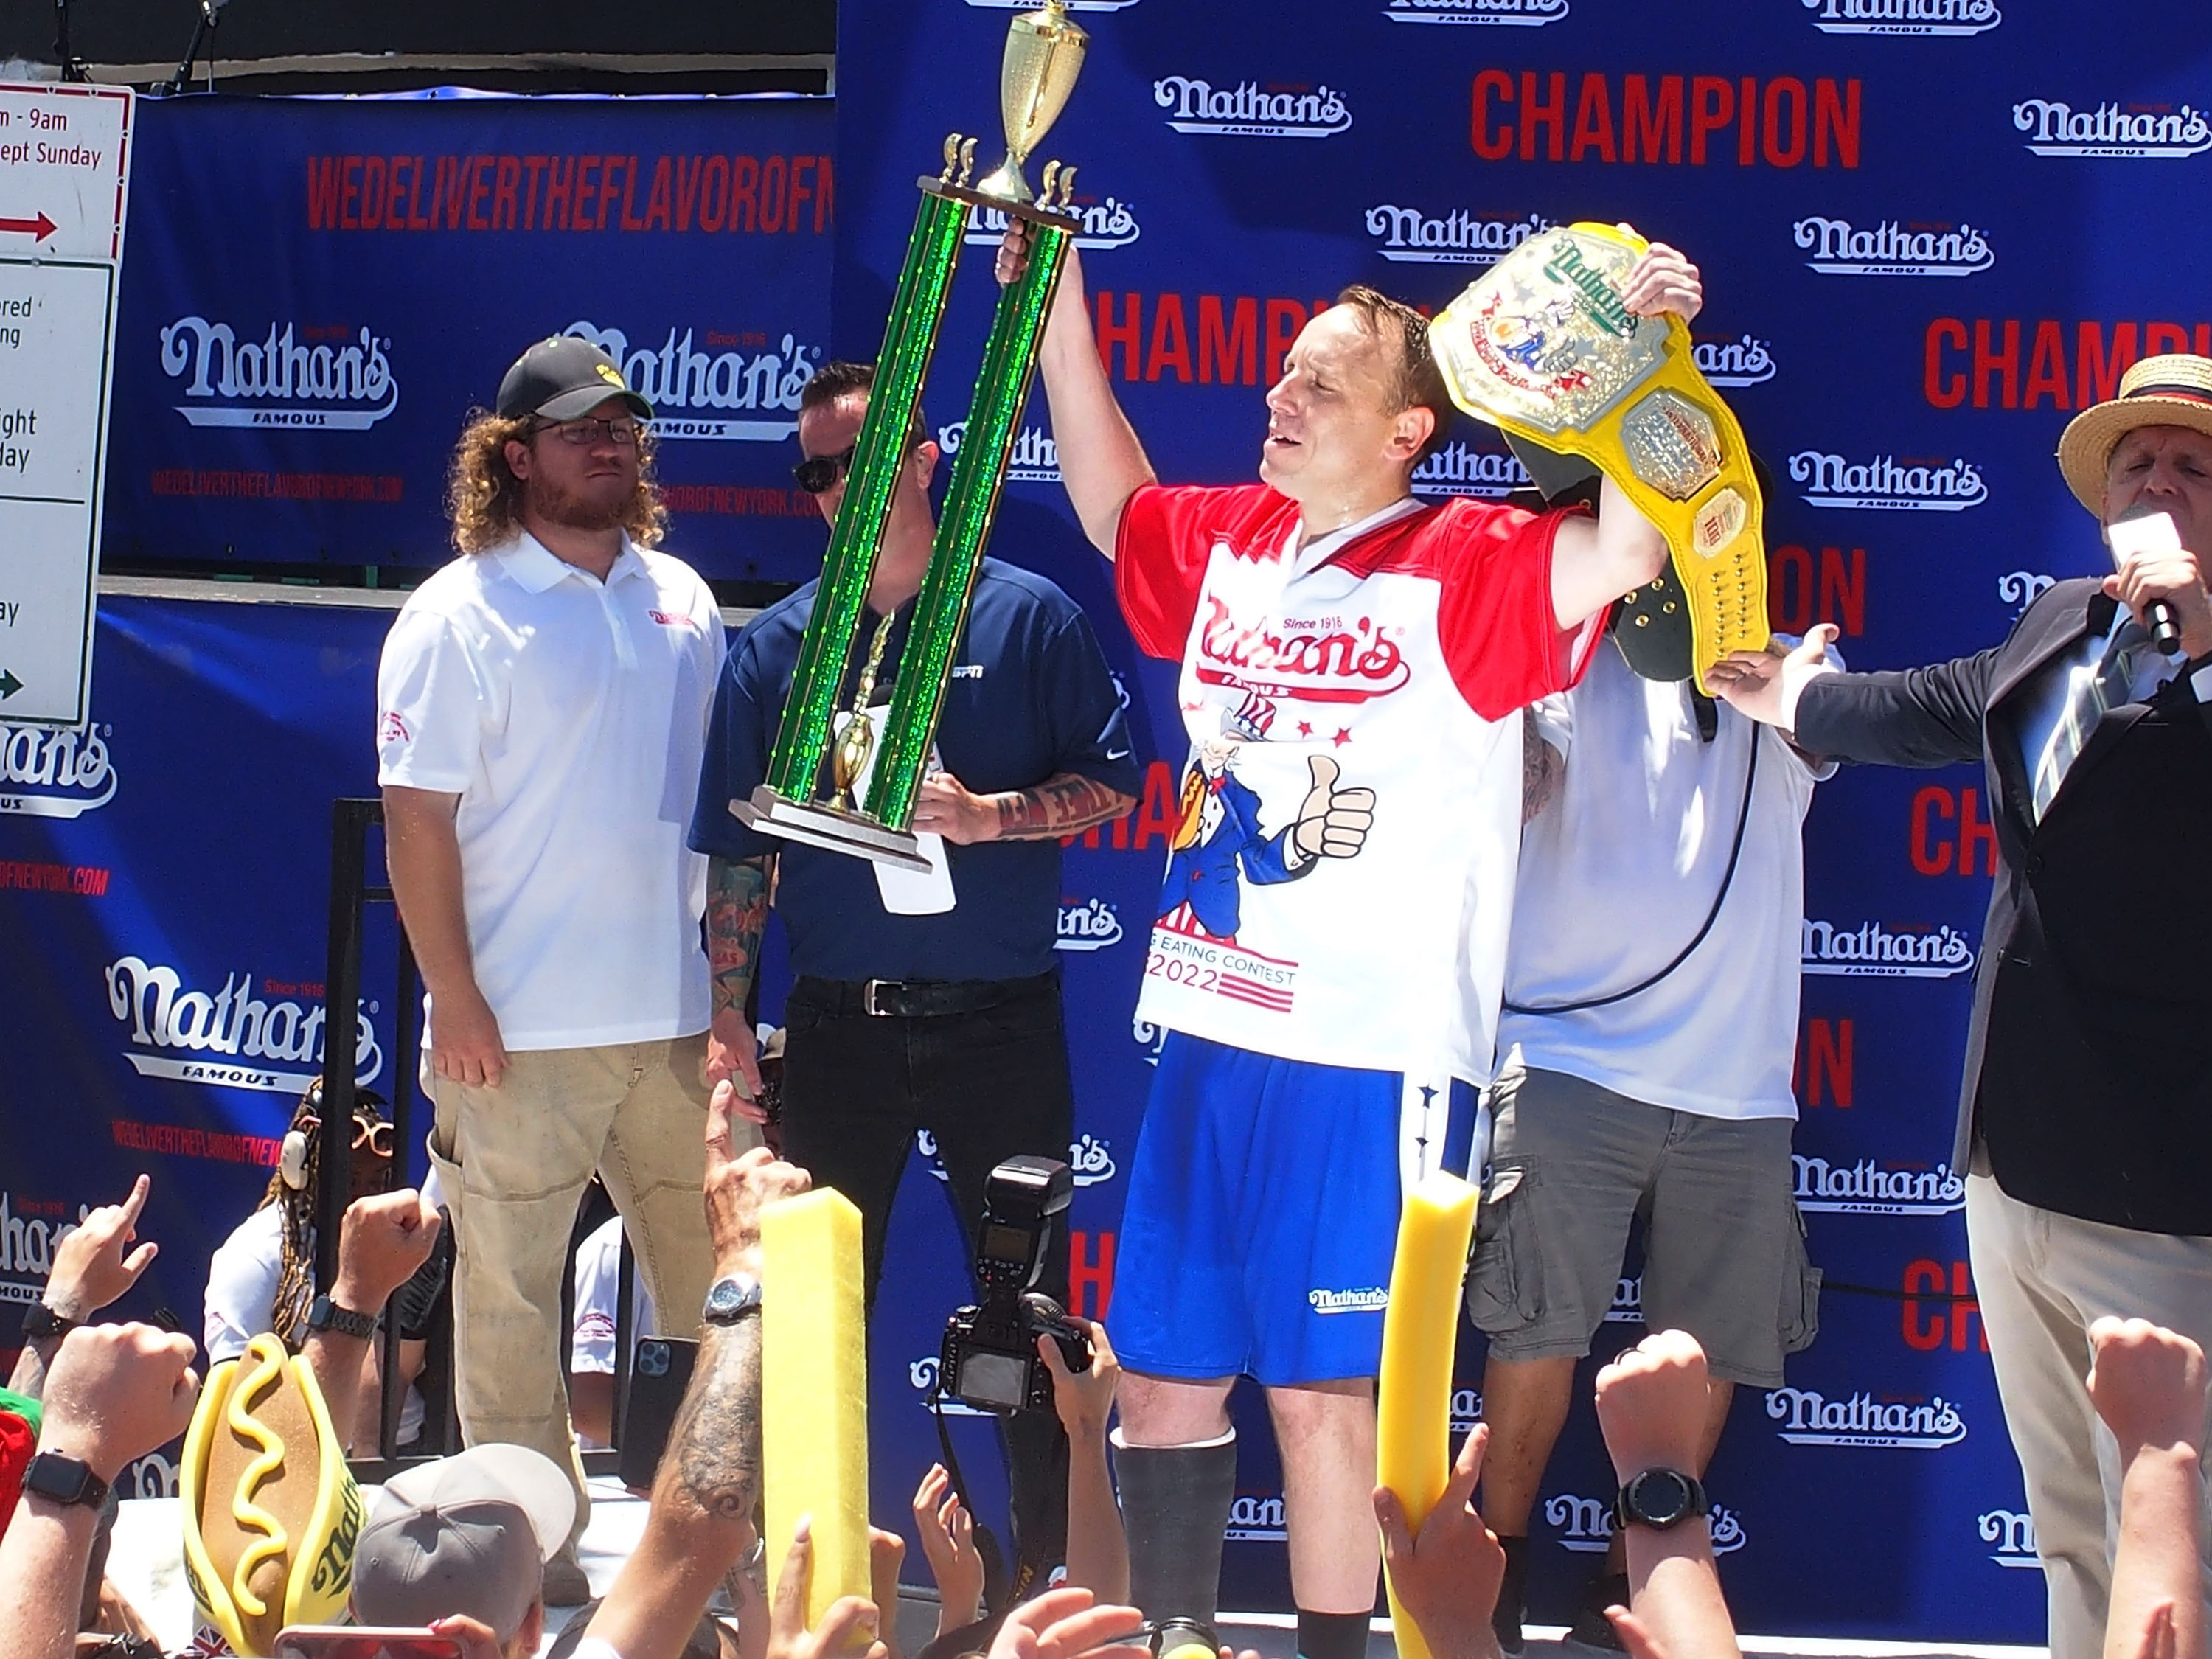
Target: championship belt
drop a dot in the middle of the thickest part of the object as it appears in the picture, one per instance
(271, 1510)
(1543, 347)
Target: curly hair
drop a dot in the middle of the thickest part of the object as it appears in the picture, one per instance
(484, 497)
(295, 1276)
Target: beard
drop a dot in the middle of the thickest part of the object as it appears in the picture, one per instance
(574, 509)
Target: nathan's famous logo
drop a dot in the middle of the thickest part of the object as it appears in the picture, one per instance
(2160, 132)
(2013, 1534)
(1627, 1307)
(922, 1373)
(1585, 1524)
(1466, 1409)
(1903, 17)
(54, 774)
(1839, 248)
(1318, 661)
(1256, 1518)
(1602, 302)
(1089, 1158)
(1460, 469)
(1032, 458)
(2021, 588)
(1871, 950)
(1249, 110)
(1406, 235)
(1886, 484)
(1512, 14)
(1809, 1418)
(1741, 361)
(1149, 1037)
(1109, 223)
(280, 379)
(1091, 926)
(247, 1043)
(1866, 1189)
(30, 1232)
(1371, 1298)
(678, 376)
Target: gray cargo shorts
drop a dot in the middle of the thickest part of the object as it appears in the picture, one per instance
(1573, 1165)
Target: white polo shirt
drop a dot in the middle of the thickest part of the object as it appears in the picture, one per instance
(569, 716)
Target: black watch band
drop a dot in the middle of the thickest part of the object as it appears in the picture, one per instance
(1660, 1498)
(324, 1315)
(62, 1480)
(42, 1324)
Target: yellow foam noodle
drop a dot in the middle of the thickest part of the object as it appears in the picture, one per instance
(1420, 1328)
(814, 1391)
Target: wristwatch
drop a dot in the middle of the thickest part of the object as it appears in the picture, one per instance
(62, 1480)
(41, 1323)
(1660, 1498)
(324, 1315)
(731, 1299)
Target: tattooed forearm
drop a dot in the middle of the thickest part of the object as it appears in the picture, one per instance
(714, 1447)
(1062, 805)
(737, 916)
(1541, 768)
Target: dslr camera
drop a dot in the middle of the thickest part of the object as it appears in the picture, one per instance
(988, 1359)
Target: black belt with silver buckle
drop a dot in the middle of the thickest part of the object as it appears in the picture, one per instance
(915, 999)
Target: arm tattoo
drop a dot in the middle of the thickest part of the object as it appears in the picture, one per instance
(737, 916)
(1063, 805)
(1542, 767)
(715, 1443)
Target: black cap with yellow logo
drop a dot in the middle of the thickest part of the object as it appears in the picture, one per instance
(564, 379)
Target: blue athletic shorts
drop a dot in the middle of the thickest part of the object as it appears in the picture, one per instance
(1263, 1212)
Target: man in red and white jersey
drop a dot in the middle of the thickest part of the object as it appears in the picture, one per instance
(1330, 951)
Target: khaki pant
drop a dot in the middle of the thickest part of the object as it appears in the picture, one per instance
(2042, 1279)
(515, 1161)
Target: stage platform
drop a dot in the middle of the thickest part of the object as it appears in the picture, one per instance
(147, 1564)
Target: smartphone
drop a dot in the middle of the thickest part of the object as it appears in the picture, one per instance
(363, 1642)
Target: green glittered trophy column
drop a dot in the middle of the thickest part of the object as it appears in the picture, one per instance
(815, 770)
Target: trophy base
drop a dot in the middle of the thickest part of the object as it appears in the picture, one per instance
(827, 827)
(1035, 212)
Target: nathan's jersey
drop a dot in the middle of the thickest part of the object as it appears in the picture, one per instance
(1340, 882)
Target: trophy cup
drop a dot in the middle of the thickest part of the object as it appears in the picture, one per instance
(1543, 347)
(820, 788)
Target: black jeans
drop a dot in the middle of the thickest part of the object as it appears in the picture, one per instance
(988, 1086)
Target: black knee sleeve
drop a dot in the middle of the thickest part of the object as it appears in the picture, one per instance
(1175, 1507)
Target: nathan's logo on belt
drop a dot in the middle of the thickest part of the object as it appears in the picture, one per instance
(1519, 13)
(1294, 658)
(678, 375)
(1256, 1518)
(2160, 132)
(280, 379)
(1246, 111)
(1839, 248)
(1406, 235)
(1106, 224)
(1741, 361)
(1089, 927)
(1885, 485)
(1866, 1188)
(1871, 951)
(1585, 1524)
(54, 774)
(1460, 468)
(1903, 17)
(2013, 1534)
(1811, 1419)
(247, 1043)
(1034, 459)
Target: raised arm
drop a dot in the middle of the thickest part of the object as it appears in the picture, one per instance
(1918, 717)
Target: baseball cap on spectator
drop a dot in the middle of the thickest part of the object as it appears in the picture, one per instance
(468, 1535)
(564, 377)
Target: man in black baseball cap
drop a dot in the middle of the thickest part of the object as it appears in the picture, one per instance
(562, 379)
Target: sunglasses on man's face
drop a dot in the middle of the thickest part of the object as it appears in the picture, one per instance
(817, 475)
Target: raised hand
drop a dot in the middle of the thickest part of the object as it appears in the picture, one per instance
(739, 1189)
(1663, 280)
(947, 1532)
(1447, 1575)
(95, 1264)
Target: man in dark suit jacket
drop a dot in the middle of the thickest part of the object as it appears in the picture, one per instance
(2086, 1116)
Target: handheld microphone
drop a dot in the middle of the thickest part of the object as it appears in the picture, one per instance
(2145, 529)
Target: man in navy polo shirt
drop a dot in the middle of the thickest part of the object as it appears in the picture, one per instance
(919, 1004)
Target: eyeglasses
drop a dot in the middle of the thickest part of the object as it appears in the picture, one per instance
(617, 431)
(817, 475)
(373, 1133)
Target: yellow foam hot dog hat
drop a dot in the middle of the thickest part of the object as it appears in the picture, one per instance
(272, 1512)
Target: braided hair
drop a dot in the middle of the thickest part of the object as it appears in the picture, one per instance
(295, 1277)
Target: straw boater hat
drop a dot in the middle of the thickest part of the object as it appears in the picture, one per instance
(2173, 390)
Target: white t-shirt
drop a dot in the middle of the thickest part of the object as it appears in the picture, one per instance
(569, 716)
(598, 1272)
(1617, 875)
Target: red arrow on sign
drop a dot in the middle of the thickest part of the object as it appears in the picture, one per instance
(39, 228)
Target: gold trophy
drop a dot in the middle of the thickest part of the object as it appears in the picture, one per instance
(1044, 54)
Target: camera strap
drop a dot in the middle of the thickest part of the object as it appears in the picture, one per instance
(995, 1586)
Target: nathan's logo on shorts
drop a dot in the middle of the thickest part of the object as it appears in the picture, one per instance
(30, 1232)
(2013, 1534)
(1585, 1524)
(1512, 14)
(54, 774)
(1866, 1188)
(1811, 1419)
(1344, 660)
(922, 1373)
(1460, 469)
(1256, 1519)
(1885, 485)
(1034, 458)
(679, 375)
(1149, 1037)
(1466, 1410)
(1627, 1307)
(2021, 588)
(1873, 951)
(1742, 362)
(2115, 132)
(232, 1038)
(1109, 223)
(1406, 235)
(1903, 17)
(1373, 1299)
(1839, 248)
(1248, 111)
(1089, 927)
(288, 378)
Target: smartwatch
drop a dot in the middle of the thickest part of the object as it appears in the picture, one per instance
(41, 1323)
(1660, 1498)
(324, 1315)
(62, 1480)
(731, 1299)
